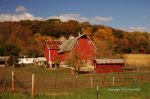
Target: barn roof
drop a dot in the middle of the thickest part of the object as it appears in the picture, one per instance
(69, 44)
(109, 61)
(53, 44)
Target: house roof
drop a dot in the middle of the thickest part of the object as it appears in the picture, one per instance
(53, 44)
(109, 61)
(40, 59)
(69, 44)
(4, 58)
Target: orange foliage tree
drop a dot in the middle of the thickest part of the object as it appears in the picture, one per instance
(104, 41)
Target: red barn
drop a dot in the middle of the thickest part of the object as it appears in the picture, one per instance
(51, 50)
(108, 65)
(81, 45)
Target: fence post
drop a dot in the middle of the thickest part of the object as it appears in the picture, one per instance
(55, 80)
(37, 89)
(142, 78)
(91, 82)
(76, 81)
(103, 81)
(113, 80)
(124, 77)
(32, 84)
(13, 82)
(97, 92)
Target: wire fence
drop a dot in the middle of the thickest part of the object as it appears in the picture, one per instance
(60, 81)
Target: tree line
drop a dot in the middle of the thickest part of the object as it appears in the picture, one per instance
(26, 38)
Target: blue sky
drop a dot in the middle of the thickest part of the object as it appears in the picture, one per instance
(129, 15)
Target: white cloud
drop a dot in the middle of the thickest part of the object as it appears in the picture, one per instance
(142, 29)
(134, 28)
(20, 9)
(18, 17)
(78, 17)
(100, 20)
(67, 17)
(22, 14)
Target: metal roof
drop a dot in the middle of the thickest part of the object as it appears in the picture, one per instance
(4, 58)
(109, 61)
(69, 44)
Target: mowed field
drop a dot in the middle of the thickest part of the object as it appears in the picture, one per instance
(138, 60)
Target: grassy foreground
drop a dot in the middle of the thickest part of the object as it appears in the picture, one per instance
(136, 91)
(49, 81)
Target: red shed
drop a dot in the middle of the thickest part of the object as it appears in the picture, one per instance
(108, 65)
(51, 49)
(82, 45)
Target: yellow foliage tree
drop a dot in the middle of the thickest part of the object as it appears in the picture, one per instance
(87, 30)
(104, 41)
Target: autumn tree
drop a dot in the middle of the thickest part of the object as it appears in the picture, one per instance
(104, 41)
(138, 41)
(74, 60)
(5, 31)
(12, 50)
(29, 36)
(71, 27)
(86, 29)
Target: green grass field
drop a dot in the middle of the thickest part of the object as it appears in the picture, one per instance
(136, 91)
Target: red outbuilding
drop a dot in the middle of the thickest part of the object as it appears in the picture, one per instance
(51, 49)
(108, 65)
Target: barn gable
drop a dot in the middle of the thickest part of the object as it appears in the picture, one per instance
(81, 45)
(69, 44)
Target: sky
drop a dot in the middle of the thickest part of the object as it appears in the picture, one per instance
(130, 15)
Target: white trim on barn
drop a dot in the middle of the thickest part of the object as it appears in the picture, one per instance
(49, 55)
